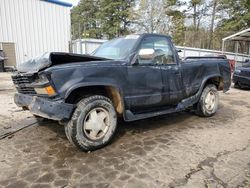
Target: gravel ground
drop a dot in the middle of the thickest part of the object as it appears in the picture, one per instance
(176, 150)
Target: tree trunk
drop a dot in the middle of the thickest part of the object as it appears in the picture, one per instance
(195, 25)
(151, 18)
(212, 25)
(195, 16)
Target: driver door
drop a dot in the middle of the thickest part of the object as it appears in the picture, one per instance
(145, 81)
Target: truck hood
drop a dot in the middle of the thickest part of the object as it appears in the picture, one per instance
(54, 58)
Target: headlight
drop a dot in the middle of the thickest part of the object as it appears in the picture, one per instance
(48, 90)
(43, 86)
(42, 78)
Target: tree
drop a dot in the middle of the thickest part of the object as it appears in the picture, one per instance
(199, 8)
(100, 18)
(199, 23)
(84, 21)
(197, 11)
(150, 16)
(177, 20)
(236, 17)
(114, 17)
(177, 31)
(214, 8)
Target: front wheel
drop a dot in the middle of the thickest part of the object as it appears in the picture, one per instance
(93, 123)
(209, 101)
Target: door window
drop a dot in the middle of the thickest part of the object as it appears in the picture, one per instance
(163, 50)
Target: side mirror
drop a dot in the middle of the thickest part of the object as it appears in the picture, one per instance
(146, 54)
(178, 50)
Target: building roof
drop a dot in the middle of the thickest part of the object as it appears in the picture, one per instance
(240, 36)
(58, 2)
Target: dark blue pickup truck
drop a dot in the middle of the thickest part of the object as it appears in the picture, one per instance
(134, 77)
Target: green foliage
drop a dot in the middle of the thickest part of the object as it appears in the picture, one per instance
(238, 12)
(236, 18)
(177, 17)
(200, 23)
(84, 20)
(114, 16)
(178, 28)
(101, 18)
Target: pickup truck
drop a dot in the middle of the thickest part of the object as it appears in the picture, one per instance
(133, 77)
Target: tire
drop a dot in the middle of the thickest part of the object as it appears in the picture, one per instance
(209, 101)
(39, 118)
(237, 85)
(93, 123)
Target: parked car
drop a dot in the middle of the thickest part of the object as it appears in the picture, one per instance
(241, 76)
(2, 61)
(134, 77)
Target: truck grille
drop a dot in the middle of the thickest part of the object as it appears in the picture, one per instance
(21, 82)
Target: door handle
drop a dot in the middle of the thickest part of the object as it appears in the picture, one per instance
(177, 73)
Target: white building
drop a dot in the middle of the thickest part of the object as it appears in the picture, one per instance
(29, 28)
(86, 45)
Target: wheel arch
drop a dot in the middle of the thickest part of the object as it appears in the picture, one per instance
(217, 80)
(114, 93)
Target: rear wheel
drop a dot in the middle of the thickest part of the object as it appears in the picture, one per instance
(93, 123)
(209, 101)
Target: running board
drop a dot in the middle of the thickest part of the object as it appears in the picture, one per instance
(184, 104)
(130, 116)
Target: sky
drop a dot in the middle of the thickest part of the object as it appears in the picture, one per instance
(74, 2)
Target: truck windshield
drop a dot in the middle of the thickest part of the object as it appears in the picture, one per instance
(118, 48)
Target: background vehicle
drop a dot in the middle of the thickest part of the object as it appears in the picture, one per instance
(241, 76)
(1, 61)
(135, 77)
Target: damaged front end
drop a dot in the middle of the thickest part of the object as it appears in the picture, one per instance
(36, 90)
(49, 59)
(37, 94)
(55, 110)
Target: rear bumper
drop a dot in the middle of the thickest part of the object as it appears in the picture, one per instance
(56, 110)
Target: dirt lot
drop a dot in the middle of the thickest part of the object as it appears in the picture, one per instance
(177, 150)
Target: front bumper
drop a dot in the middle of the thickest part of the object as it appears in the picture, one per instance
(56, 110)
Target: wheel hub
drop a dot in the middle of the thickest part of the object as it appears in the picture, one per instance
(96, 123)
(210, 101)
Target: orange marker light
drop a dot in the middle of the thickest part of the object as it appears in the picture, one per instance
(50, 90)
